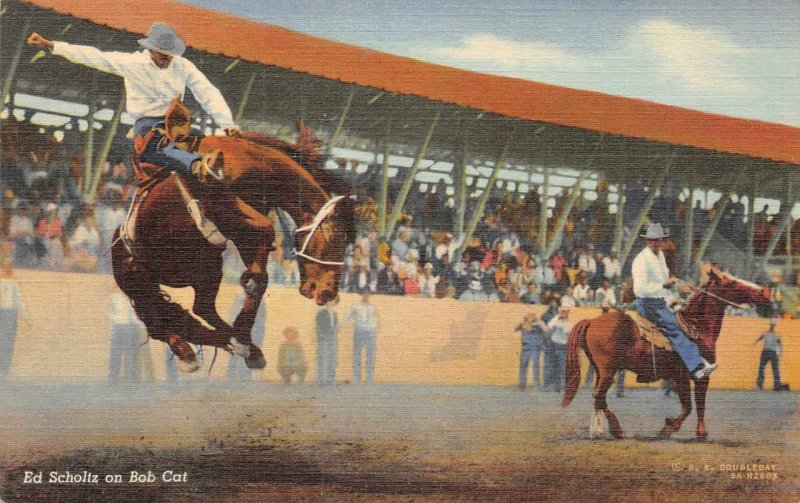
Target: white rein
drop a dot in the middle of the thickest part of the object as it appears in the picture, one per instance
(321, 215)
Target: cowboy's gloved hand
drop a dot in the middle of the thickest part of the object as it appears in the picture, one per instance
(234, 132)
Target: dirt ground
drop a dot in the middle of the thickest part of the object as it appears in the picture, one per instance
(259, 441)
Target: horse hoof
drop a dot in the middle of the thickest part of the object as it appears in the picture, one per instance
(239, 349)
(187, 367)
(255, 360)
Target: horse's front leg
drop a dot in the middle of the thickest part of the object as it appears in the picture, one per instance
(700, 389)
(605, 377)
(681, 385)
(206, 288)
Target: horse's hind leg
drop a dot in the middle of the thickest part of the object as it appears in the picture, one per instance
(700, 388)
(605, 377)
(683, 388)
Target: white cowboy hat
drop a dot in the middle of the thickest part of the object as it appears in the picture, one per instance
(655, 231)
(162, 38)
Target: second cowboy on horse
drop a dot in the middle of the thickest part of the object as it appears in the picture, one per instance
(651, 283)
(153, 78)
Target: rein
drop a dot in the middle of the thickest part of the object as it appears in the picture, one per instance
(726, 301)
(321, 215)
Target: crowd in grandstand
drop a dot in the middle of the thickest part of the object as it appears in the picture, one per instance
(50, 228)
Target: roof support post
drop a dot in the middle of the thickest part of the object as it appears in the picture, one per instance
(12, 68)
(478, 213)
(619, 224)
(384, 194)
(786, 221)
(701, 249)
(409, 181)
(562, 218)
(245, 97)
(751, 232)
(543, 213)
(461, 190)
(88, 150)
(688, 234)
(648, 203)
(338, 131)
(91, 194)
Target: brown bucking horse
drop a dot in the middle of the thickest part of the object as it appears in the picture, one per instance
(169, 249)
(611, 342)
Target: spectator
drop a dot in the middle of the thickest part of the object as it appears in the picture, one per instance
(586, 261)
(506, 292)
(771, 354)
(49, 233)
(20, 231)
(327, 329)
(428, 282)
(11, 305)
(559, 328)
(568, 300)
(475, 292)
(558, 264)
(580, 291)
(400, 245)
(365, 332)
(531, 295)
(611, 267)
(125, 330)
(84, 244)
(545, 276)
(605, 296)
(533, 332)
(291, 363)
(387, 282)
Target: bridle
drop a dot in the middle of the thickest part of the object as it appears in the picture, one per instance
(726, 301)
(322, 214)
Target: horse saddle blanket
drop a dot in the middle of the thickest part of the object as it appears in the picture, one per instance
(652, 334)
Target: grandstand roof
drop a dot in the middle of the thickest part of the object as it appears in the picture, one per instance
(235, 37)
(310, 77)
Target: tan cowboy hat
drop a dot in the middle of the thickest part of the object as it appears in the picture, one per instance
(162, 38)
(655, 231)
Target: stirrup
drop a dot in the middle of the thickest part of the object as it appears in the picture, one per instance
(204, 167)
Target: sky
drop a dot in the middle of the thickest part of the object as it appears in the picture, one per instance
(738, 58)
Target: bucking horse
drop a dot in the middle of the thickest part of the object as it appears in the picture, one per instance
(178, 226)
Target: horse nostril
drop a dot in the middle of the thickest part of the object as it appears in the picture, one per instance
(312, 287)
(326, 296)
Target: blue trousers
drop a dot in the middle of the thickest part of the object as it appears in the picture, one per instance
(8, 334)
(530, 352)
(171, 157)
(124, 348)
(326, 360)
(771, 357)
(656, 310)
(363, 340)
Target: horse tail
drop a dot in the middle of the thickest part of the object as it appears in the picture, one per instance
(576, 341)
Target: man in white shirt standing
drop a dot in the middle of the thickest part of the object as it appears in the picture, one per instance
(611, 267)
(559, 328)
(364, 335)
(153, 78)
(651, 283)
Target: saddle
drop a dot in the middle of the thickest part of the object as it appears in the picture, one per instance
(653, 335)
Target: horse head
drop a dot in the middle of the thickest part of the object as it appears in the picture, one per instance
(320, 248)
(732, 289)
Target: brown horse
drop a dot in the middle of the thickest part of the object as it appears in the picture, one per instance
(168, 249)
(611, 342)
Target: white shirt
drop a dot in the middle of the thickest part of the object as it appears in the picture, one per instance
(10, 297)
(587, 263)
(365, 316)
(606, 297)
(580, 293)
(559, 330)
(649, 273)
(612, 269)
(150, 89)
(122, 312)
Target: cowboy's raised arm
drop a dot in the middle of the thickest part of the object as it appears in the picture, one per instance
(209, 97)
(109, 62)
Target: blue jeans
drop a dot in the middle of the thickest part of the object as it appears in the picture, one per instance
(363, 340)
(326, 360)
(656, 310)
(171, 157)
(8, 334)
(124, 347)
(530, 352)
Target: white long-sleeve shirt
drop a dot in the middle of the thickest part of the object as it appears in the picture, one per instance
(649, 273)
(150, 89)
(365, 316)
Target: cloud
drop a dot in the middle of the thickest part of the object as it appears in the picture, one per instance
(701, 59)
(488, 48)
